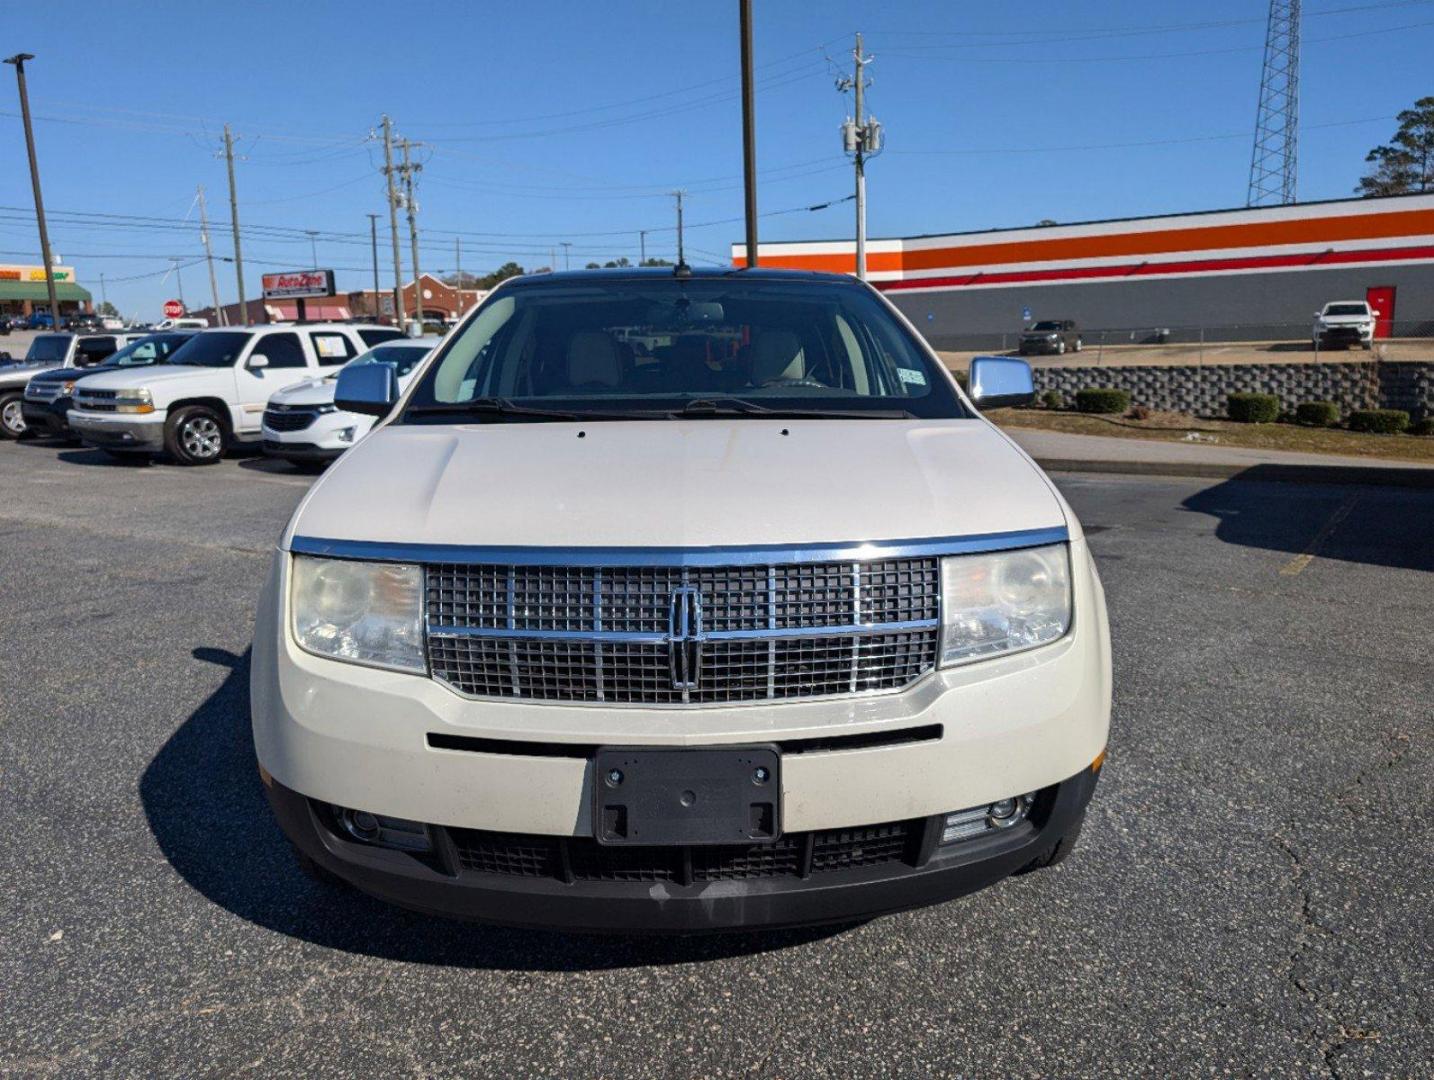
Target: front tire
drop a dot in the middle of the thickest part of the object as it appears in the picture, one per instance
(1079, 345)
(194, 435)
(1061, 347)
(12, 419)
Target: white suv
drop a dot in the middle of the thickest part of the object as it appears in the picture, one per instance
(675, 600)
(211, 392)
(302, 425)
(1344, 322)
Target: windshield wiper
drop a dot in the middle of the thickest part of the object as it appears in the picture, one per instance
(735, 406)
(500, 406)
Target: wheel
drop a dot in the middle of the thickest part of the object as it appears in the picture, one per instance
(1079, 345)
(194, 435)
(12, 420)
(1367, 345)
(1061, 347)
(1058, 852)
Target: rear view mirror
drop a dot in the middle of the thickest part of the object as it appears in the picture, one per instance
(997, 382)
(370, 389)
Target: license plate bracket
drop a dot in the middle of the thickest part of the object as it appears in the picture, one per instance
(691, 796)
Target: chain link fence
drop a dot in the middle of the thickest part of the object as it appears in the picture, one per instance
(1222, 343)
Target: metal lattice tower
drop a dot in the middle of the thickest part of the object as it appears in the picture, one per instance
(1274, 162)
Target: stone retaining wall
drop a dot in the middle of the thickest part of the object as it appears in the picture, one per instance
(1201, 390)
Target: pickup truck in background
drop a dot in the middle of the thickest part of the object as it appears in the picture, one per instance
(49, 351)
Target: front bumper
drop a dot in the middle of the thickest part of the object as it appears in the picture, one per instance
(299, 451)
(1039, 345)
(558, 893)
(1345, 333)
(119, 432)
(47, 418)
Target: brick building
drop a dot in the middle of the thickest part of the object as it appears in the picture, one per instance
(441, 303)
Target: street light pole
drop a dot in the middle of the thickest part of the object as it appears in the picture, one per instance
(749, 133)
(373, 240)
(18, 60)
(567, 246)
(313, 248)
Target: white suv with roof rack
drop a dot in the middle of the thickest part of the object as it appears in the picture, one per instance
(211, 393)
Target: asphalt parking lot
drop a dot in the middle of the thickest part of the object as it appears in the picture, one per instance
(1252, 894)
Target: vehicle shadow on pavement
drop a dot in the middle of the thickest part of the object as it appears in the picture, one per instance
(89, 456)
(1379, 526)
(206, 808)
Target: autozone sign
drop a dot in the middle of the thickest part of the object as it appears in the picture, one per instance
(297, 283)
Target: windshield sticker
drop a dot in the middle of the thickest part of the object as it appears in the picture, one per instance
(910, 377)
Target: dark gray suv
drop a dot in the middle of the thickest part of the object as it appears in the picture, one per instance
(1051, 336)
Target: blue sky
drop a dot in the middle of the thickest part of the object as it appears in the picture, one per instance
(555, 120)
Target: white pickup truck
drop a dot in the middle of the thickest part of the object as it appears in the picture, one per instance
(211, 393)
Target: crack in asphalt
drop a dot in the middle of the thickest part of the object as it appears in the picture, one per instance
(1337, 1034)
(1398, 743)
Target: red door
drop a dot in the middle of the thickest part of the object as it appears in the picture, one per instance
(1381, 300)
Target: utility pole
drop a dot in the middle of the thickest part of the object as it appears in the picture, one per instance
(219, 319)
(18, 60)
(411, 204)
(179, 283)
(681, 260)
(641, 247)
(104, 296)
(373, 240)
(234, 220)
(749, 131)
(313, 248)
(393, 225)
(861, 137)
(567, 246)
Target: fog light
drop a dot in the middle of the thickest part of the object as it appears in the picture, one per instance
(383, 831)
(346, 434)
(979, 820)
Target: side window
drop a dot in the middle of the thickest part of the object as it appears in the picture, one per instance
(283, 350)
(331, 348)
(90, 351)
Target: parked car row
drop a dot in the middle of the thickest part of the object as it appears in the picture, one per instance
(195, 394)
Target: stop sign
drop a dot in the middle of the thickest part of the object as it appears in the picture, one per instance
(173, 309)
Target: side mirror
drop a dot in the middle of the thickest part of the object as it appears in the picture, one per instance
(257, 362)
(996, 382)
(370, 389)
(1317, 314)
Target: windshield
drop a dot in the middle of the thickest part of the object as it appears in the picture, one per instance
(652, 347)
(155, 349)
(48, 348)
(404, 358)
(1046, 326)
(1346, 309)
(220, 349)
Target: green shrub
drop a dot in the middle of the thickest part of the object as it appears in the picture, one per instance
(1379, 421)
(1102, 399)
(1053, 399)
(1424, 427)
(1317, 413)
(1252, 408)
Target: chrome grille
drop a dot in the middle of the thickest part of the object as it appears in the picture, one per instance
(741, 633)
(95, 400)
(45, 390)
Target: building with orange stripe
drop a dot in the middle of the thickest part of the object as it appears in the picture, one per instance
(1248, 274)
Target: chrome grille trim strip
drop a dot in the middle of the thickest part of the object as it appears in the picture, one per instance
(849, 551)
(633, 637)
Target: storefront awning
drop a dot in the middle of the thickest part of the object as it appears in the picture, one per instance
(35, 290)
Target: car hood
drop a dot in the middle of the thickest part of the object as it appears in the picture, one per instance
(22, 373)
(704, 483)
(153, 375)
(308, 392)
(1345, 320)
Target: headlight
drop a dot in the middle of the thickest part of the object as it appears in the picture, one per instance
(67, 387)
(362, 612)
(321, 409)
(1003, 601)
(134, 401)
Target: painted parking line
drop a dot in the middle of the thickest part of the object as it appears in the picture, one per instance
(1304, 558)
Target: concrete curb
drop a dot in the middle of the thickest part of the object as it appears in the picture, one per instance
(1384, 476)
